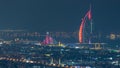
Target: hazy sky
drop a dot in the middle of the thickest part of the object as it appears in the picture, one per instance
(59, 15)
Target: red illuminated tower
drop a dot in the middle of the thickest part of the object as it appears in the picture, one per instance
(85, 31)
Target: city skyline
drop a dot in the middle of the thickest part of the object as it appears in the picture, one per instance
(59, 34)
(45, 15)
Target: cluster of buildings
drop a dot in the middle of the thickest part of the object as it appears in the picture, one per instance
(65, 37)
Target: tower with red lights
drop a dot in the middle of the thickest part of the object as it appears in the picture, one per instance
(85, 31)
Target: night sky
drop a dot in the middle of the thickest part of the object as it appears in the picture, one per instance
(59, 15)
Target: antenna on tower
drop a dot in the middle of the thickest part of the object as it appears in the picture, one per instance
(91, 25)
(91, 21)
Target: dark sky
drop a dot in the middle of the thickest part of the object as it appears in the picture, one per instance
(59, 15)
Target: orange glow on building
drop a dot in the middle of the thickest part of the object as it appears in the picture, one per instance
(81, 32)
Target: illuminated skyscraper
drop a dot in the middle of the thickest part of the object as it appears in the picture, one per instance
(85, 30)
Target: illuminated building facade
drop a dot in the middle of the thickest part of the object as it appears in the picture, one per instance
(85, 30)
(48, 39)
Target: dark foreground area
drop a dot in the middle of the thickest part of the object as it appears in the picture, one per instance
(44, 56)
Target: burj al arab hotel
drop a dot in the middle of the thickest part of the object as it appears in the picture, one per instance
(85, 31)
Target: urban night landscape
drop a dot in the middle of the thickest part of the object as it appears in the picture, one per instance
(60, 34)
